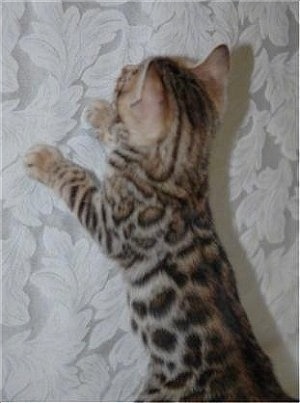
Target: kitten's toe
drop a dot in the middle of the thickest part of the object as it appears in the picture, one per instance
(40, 160)
(99, 115)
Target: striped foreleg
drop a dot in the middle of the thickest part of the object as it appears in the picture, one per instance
(75, 186)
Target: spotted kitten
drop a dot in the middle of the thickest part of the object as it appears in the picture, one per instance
(151, 214)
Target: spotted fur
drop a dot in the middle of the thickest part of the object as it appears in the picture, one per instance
(151, 214)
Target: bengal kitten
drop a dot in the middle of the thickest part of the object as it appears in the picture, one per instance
(151, 214)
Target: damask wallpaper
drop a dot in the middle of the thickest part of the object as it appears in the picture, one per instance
(65, 326)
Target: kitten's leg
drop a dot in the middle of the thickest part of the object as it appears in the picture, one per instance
(100, 115)
(75, 186)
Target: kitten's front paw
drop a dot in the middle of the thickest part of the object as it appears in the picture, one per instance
(99, 114)
(40, 161)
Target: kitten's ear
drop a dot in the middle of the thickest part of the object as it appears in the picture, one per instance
(214, 73)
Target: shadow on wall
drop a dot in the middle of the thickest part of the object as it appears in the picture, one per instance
(263, 324)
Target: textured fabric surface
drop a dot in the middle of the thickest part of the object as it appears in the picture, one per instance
(65, 326)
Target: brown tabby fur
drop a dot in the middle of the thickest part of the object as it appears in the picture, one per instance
(151, 214)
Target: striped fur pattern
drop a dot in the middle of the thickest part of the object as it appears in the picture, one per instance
(151, 214)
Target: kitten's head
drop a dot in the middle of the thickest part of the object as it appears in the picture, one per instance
(153, 95)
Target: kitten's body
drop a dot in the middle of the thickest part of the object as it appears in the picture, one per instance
(152, 215)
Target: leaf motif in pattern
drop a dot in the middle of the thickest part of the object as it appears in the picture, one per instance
(281, 92)
(72, 272)
(18, 248)
(275, 280)
(48, 13)
(93, 376)
(11, 14)
(284, 127)
(269, 200)
(176, 28)
(67, 43)
(273, 21)
(251, 35)
(111, 311)
(226, 24)
(38, 369)
(294, 9)
(88, 152)
(293, 204)
(46, 119)
(12, 126)
(279, 75)
(126, 351)
(247, 155)
(281, 80)
(260, 71)
(25, 199)
(250, 240)
(101, 76)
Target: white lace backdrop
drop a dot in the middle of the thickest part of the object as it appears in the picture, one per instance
(65, 324)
